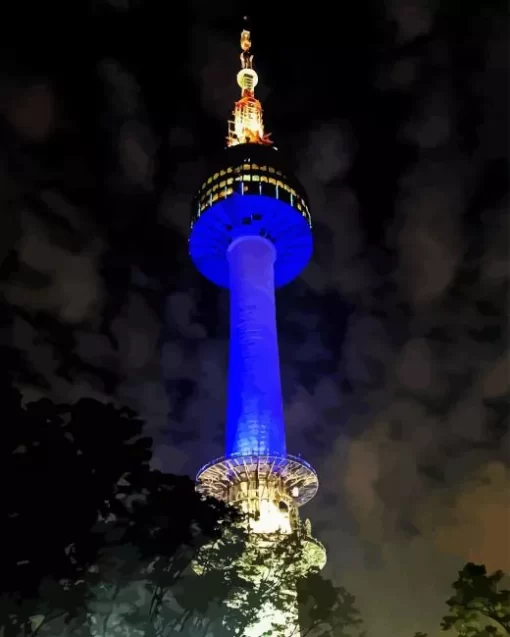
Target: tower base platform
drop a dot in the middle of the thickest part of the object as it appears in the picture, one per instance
(295, 477)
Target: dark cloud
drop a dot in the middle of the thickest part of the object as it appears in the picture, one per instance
(412, 17)
(31, 111)
(393, 342)
(71, 286)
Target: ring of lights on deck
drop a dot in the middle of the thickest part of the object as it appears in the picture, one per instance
(250, 193)
(299, 478)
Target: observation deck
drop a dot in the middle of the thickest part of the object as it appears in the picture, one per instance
(250, 193)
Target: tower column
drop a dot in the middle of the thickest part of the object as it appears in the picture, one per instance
(251, 231)
(255, 424)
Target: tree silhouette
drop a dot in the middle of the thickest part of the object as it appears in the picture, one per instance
(327, 610)
(96, 543)
(84, 515)
(479, 607)
(270, 573)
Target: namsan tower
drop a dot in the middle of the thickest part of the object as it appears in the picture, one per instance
(251, 233)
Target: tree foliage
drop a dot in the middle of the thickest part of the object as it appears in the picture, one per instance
(479, 607)
(327, 610)
(270, 575)
(85, 518)
(97, 544)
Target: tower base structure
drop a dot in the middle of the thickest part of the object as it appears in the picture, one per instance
(269, 490)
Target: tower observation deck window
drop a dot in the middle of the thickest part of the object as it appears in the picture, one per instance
(270, 181)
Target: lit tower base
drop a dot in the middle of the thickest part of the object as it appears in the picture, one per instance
(250, 233)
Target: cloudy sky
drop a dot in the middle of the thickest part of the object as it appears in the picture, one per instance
(394, 340)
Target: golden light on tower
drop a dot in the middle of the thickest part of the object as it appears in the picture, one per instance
(247, 127)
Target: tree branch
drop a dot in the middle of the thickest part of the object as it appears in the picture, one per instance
(110, 612)
(46, 620)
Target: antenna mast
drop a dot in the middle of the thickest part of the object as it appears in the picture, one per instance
(247, 127)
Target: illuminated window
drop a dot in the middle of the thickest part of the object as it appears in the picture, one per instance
(223, 184)
(228, 192)
(263, 168)
(246, 177)
(271, 170)
(246, 166)
(216, 175)
(280, 184)
(255, 178)
(272, 180)
(263, 178)
(279, 172)
(209, 180)
(222, 173)
(215, 197)
(229, 170)
(255, 166)
(230, 180)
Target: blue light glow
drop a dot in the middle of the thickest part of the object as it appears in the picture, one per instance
(252, 243)
(255, 215)
(255, 424)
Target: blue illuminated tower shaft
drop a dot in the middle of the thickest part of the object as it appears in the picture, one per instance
(251, 232)
(255, 424)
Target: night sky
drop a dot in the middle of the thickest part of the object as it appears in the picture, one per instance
(393, 343)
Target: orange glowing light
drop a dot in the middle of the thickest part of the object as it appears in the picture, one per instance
(247, 127)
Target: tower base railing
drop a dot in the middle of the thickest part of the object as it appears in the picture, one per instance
(298, 477)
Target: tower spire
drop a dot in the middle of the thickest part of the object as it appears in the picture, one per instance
(247, 127)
